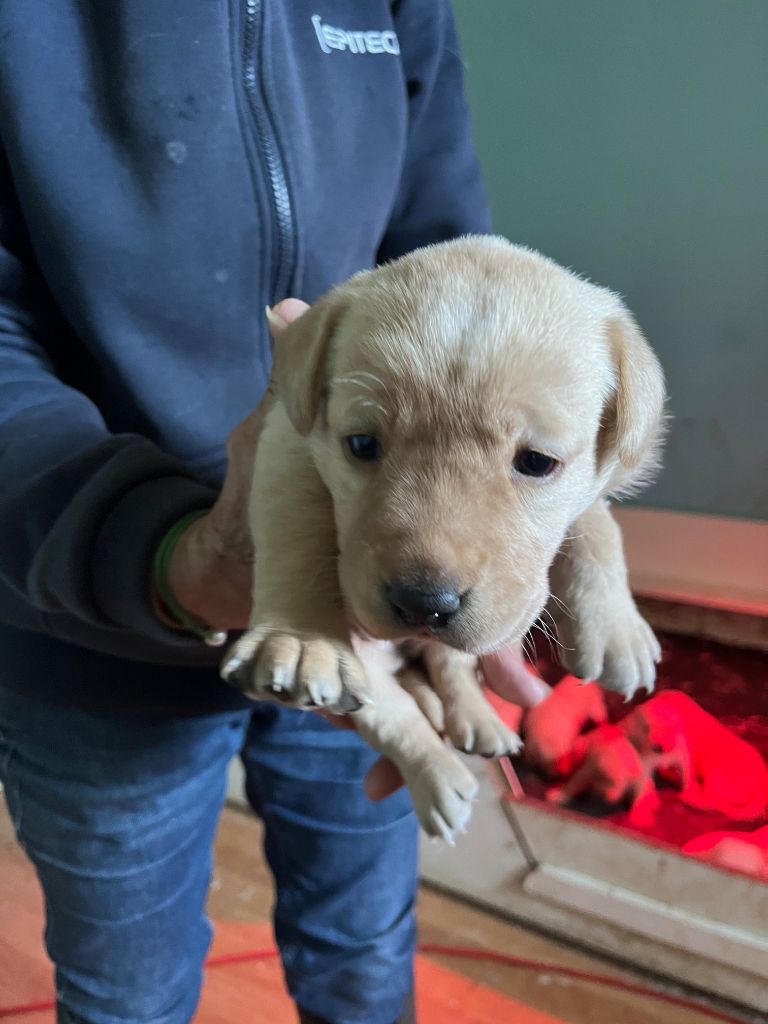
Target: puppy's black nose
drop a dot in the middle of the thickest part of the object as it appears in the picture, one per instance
(423, 605)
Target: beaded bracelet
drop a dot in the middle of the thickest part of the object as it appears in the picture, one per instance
(168, 609)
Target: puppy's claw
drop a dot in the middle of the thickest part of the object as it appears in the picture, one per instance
(235, 674)
(277, 682)
(348, 705)
(443, 830)
(280, 692)
(230, 667)
(515, 746)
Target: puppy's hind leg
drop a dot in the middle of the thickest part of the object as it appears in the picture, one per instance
(441, 786)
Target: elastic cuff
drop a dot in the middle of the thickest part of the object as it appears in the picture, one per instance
(126, 545)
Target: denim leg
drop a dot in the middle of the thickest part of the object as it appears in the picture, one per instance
(62, 1017)
(118, 815)
(408, 1016)
(345, 868)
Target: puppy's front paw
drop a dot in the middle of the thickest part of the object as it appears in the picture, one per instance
(300, 671)
(631, 655)
(479, 730)
(442, 791)
(617, 648)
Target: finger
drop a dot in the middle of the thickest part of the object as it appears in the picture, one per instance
(284, 313)
(511, 678)
(382, 780)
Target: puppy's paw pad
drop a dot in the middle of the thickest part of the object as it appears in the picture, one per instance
(484, 734)
(497, 741)
(503, 743)
(302, 672)
(585, 668)
(442, 797)
(237, 666)
(631, 654)
(610, 642)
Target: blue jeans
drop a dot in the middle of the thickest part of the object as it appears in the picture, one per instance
(118, 814)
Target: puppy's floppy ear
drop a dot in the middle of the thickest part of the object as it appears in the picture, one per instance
(301, 355)
(633, 419)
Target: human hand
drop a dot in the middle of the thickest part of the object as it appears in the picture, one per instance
(508, 675)
(212, 563)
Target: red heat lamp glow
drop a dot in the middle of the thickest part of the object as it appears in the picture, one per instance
(687, 766)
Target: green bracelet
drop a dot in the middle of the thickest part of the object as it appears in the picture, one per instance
(161, 565)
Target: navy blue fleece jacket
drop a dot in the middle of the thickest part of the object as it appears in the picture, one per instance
(168, 168)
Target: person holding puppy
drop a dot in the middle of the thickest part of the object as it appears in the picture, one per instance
(166, 171)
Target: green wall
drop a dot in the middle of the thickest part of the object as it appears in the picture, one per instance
(629, 140)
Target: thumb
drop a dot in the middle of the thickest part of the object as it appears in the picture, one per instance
(508, 676)
(284, 313)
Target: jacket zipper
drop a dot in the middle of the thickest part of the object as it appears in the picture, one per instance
(282, 208)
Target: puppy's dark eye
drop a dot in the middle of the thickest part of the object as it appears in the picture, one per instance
(364, 446)
(531, 463)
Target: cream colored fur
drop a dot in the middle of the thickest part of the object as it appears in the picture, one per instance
(456, 357)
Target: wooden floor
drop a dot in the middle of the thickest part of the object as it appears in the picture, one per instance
(459, 991)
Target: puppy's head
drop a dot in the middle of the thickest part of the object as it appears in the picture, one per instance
(654, 728)
(464, 406)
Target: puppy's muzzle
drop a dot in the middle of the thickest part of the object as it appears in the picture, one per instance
(421, 605)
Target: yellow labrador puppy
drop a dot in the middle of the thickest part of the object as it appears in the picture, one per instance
(445, 432)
